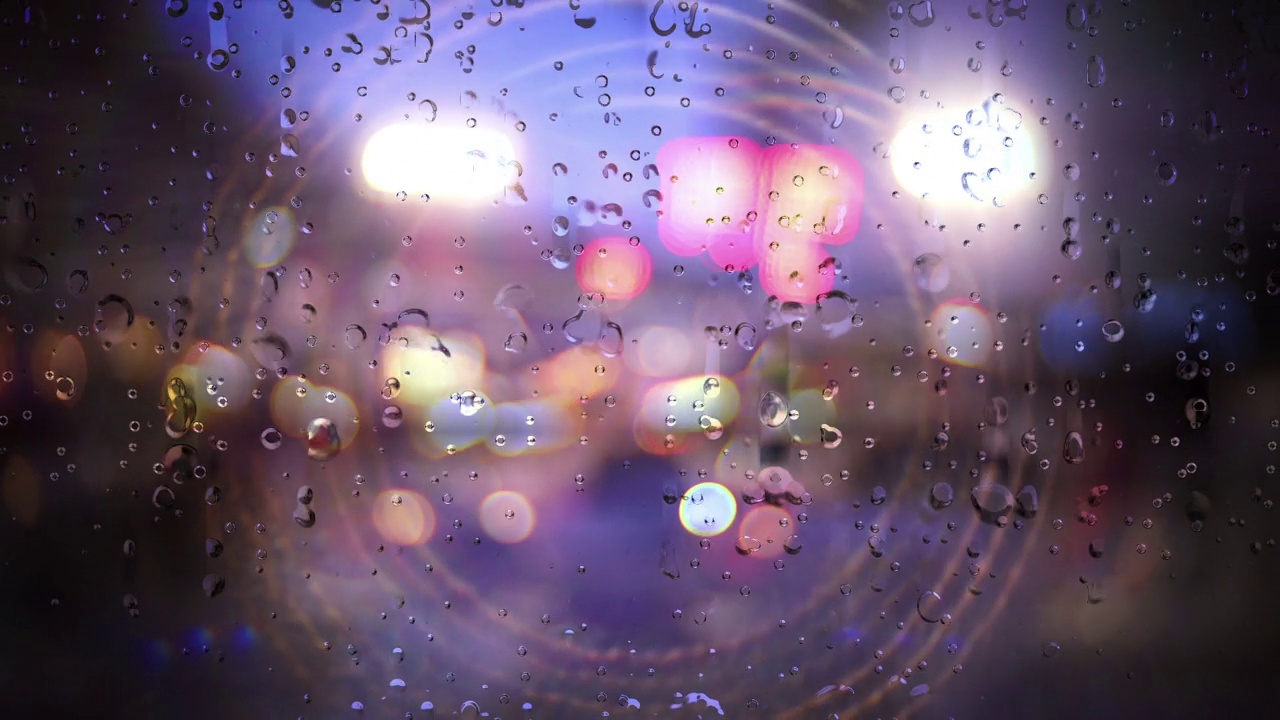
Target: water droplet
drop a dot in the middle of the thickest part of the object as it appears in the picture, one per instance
(1029, 443)
(469, 403)
(921, 13)
(831, 436)
(929, 606)
(1097, 547)
(992, 502)
(941, 495)
(513, 297)
(1073, 448)
(516, 342)
(773, 409)
(1145, 300)
(1096, 71)
(1028, 502)
(876, 546)
(322, 439)
(64, 387)
(879, 495)
(1197, 412)
(931, 273)
(1113, 330)
(213, 584)
(271, 438)
(355, 336)
(114, 314)
(270, 351)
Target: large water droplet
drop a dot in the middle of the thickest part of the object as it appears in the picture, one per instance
(831, 436)
(1028, 502)
(115, 314)
(931, 273)
(1197, 412)
(213, 584)
(773, 409)
(270, 351)
(921, 13)
(516, 342)
(271, 438)
(322, 439)
(355, 336)
(992, 502)
(610, 342)
(1096, 71)
(1073, 448)
(941, 495)
(929, 606)
(513, 297)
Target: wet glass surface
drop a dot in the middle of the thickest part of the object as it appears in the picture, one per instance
(518, 359)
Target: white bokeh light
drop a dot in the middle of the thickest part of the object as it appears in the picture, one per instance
(444, 163)
(976, 156)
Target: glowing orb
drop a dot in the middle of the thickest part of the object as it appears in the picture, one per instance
(613, 267)
(507, 517)
(982, 156)
(448, 163)
(403, 517)
(963, 328)
(708, 509)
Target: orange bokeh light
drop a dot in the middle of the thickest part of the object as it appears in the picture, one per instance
(404, 517)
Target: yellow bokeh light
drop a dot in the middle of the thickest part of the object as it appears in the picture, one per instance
(963, 328)
(507, 517)
(404, 517)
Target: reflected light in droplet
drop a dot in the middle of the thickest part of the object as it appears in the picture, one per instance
(507, 517)
(929, 159)
(445, 163)
(964, 325)
(403, 517)
(708, 509)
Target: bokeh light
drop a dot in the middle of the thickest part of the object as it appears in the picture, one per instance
(708, 509)
(403, 517)
(507, 516)
(613, 267)
(445, 163)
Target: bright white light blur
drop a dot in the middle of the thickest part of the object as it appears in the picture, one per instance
(444, 163)
(976, 156)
